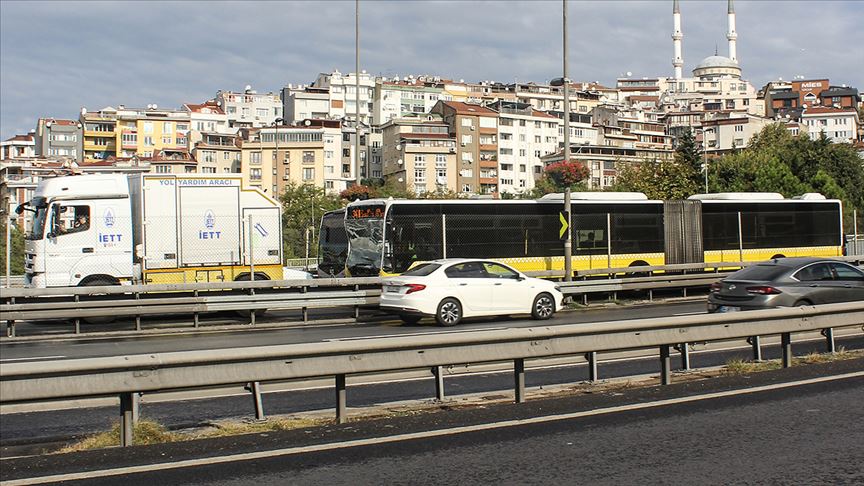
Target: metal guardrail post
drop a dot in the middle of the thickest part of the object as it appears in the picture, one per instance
(127, 425)
(519, 378)
(77, 320)
(10, 325)
(829, 340)
(252, 311)
(305, 310)
(356, 307)
(195, 320)
(438, 372)
(137, 316)
(684, 349)
(255, 388)
(341, 400)
(756, 343)
(665, 365)
(591, 357)
(136, 408)
(786, 344)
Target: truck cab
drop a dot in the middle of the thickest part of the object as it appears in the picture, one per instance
(81, 232)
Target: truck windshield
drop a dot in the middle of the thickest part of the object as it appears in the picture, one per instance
(36, 231)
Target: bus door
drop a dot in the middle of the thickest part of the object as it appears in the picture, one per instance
(683, 232)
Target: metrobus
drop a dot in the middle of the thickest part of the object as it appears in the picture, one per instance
(609, 230)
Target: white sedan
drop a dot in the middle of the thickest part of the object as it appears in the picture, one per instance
(451, 289)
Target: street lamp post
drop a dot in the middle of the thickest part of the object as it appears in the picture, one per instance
(568, 240)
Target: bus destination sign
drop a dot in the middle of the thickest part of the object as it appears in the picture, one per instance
(367, 212)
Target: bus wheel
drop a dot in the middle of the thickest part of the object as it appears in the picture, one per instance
(449, 312)
(99, 282)
(638, 263)
(777, 256)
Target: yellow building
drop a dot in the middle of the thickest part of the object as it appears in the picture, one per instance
(100, 135)
(145, 132)
(272, 163)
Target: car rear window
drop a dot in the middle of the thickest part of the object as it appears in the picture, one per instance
(422, 270)
(759, 272)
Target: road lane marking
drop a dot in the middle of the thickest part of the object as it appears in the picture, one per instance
(418, 435)
(411, 334)
(30, 358)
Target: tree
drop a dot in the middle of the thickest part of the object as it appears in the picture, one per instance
(656, 179)
(566, 174)
(689, 157)
(16, 260)
(357, 192)
(303, 205)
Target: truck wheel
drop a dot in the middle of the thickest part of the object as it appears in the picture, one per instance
(98, 282)
(248, 278)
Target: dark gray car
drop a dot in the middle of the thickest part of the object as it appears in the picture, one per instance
(787, 282)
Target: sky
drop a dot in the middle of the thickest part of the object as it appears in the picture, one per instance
(57, 57)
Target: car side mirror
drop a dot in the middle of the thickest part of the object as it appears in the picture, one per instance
(51, 235)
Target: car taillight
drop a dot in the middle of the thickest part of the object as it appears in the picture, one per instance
(763, 290)
(715, 287)
(414, 288)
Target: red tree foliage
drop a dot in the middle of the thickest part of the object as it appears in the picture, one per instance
(565, 174)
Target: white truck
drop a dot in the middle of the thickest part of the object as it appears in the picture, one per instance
(150, 228)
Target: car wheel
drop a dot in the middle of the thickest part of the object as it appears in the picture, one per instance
(410, 320)
(543, 307)
(449, 312)
(802, 303)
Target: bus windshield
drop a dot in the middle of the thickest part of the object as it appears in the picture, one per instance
(333, 245)
(364, 226)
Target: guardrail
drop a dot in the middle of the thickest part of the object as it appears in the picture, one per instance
(127, 376)
(137, 301)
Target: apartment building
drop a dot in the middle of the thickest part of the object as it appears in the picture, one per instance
(524, 136)
(302, 102)
(146, 132)
(100, 134)
(166, 161)
(55, 137)
(475, 128)
(840, 125)
(249, 109)
(341, 90)
(274, 157)
(337, 174)
(18, 147)
(217, 153)
(731, 131)
(399, 98)
(605, 162)
(419, 154)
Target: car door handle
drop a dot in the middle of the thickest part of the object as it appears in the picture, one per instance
(814, 285)
(86, 250)
(463, 284)
(497, 283)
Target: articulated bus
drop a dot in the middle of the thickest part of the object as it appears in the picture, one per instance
(609, 230)
(332, 244)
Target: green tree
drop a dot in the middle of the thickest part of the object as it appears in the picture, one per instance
(656, 179)
(303, 205)
(689, 158)
(16, 260)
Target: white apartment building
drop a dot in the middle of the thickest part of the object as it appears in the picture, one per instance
(301, 102)
(250, 108)
(17, 147)
(731, 131)
(840, 125)
(419, 154)
(342, 92)
(395, 98)
(524, 136)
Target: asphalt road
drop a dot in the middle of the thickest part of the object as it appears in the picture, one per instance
(705, 432)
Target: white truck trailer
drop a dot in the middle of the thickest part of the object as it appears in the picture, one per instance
(150, 228)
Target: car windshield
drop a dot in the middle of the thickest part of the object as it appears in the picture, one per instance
(759, 273)
(37, 224)
(422, 270)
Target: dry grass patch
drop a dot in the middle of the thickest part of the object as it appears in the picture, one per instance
(743, 367)
(144, 432)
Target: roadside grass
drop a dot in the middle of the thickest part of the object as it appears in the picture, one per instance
(743, 367)
(144, 432)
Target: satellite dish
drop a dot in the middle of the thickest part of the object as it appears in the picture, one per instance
(629, 74)
(307, 123)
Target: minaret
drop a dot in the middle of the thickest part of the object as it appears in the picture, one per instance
(678, 60)
(731, 34)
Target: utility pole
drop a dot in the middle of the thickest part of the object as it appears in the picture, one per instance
(568, 241)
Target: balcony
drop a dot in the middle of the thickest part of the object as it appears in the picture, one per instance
(97, 133)
(489, 164)
(489, 180)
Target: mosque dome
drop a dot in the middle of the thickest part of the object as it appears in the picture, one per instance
(717, 66)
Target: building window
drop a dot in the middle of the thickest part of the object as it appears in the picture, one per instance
(166, 127)
(255, 174)
(506, 166)
(467, 122)
(308, 173)
(440, 160)
(208, 170)
(163, 169)
(148, 127)
(148, 141)
(466, 139)
(739, 128)
(523, 168)
(255, 158)
(420, 176)
(308, 157)
(167, 139)
(420, 160)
